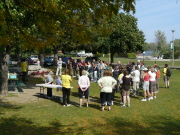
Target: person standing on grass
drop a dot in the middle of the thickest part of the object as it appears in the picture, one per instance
(66, 80)
(24, 67)
(106, 83)
(126, 88)
(59, 67)
(152, 83)
(166, 78)
(83, 89)
(69, 66)
(136, 79)
(145, 78)
(75, 68)
(95, 70)
(158, 74)
(120, 85)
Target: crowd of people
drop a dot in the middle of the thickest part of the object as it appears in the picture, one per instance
(112, 79)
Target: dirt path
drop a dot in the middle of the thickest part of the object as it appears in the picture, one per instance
(31, 94)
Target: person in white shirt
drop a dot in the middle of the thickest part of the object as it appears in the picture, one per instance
(136, 79)
(152, 83)
(59, 67)
(84, 84)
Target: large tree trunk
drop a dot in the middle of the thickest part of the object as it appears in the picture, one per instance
(56, 48)
(41, 58)
(112, 57)
(4, 58)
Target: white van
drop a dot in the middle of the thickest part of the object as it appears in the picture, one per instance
(34, 58)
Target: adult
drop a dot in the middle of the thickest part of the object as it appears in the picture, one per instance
(59, 67)
(136, 79)
(66, 80)
(102, 67)
(145, 78)
(90, 70)
(158, 75)
(166, 78)
(107, 82)
(24, 67)
(83, 89)
(69, 66)
(95, 69)
(48, 80)
(75, 68)
(152, 83)
(120, 85)
(126, 88)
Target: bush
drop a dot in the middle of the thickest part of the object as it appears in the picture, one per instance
(131, 55)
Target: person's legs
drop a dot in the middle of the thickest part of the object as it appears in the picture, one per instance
(86, 93)
(68, 95)
(157, 84)
(64, 95)
(108, 99)
(49, 92)
(24, 77)
(57, 71)
(60, 71)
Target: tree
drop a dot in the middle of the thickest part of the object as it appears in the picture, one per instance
(123, 36)
(37, 24)
(177, 48)
(160, 42)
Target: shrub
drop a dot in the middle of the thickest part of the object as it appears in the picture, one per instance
(131, 55)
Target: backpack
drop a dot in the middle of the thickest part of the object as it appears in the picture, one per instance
(168, 72)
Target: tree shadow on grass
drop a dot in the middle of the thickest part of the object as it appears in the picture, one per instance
(114, 125)
(157, 125)
(15, 125)
(6, 105)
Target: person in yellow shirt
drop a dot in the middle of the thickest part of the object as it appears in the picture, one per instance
(166, 78)
(24, 70)
(66, 80)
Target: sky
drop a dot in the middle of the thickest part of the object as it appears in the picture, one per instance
(163, 15)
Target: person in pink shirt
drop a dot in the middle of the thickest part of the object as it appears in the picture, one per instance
(145, 78)
(83, 89)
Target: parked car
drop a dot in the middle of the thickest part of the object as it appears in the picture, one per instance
(91, 59)
(30, 61)
(81, 55)
(34, 58)
(48, 62)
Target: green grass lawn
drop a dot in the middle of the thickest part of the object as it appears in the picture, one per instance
(160, 116)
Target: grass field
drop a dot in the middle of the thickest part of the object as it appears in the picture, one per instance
(160, 116)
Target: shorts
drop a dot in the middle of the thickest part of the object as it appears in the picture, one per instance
(83, 93)
(135, 85)
(126, 93)
(166, 79)
(146, 85)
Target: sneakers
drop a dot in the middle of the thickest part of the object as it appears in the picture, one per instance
(123, 106)
(154, 97)
(68, 104)
(143, 99)
(150, 98)
(128, 105)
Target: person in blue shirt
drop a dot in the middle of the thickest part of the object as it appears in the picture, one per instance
(58, 82)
